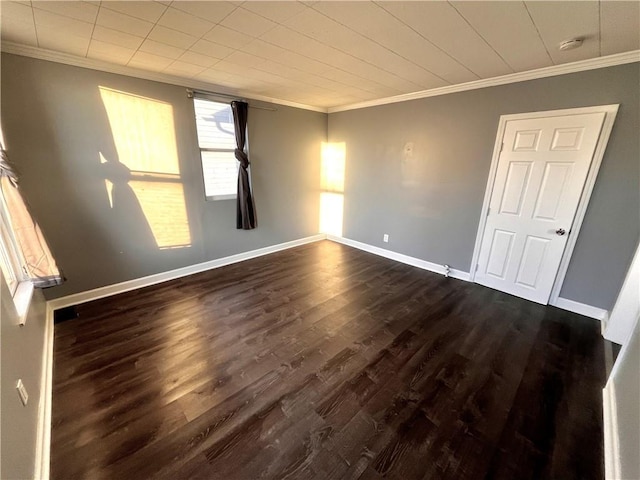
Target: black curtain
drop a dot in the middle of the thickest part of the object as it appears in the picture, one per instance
(246, 211)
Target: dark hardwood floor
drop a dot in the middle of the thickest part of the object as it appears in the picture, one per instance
(325, 362)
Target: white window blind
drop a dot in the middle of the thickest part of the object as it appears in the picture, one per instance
(9, 259)
(217, 142)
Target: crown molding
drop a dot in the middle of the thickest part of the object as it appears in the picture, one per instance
(563, 69)
(73, 60)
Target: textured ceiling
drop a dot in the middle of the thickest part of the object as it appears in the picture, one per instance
(330, 53)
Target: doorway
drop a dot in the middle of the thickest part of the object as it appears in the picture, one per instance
(542, 174)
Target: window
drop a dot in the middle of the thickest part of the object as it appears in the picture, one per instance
(217, 142)
(25, 259)
(12, 264)
(9, 260)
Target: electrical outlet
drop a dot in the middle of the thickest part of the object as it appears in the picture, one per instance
(22, 392)
(385, 238)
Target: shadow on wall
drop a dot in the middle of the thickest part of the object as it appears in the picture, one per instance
(98, 163)
(107, 178)
(142, 176)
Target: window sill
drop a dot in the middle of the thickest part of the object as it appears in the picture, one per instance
(22, 300)
(213, 198)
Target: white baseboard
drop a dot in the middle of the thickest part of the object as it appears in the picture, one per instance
(582, 309)
(563, 303)
(109, 290)
(97, 293)
(399, 257)
(603, 325)
(43, 439)
(44, 416)
(611, 434)
(43, 447)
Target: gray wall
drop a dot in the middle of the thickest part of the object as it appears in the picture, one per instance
(21, 355)
(55, 126)
(430, 203)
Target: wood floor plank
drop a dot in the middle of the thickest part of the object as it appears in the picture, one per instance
(325, 362)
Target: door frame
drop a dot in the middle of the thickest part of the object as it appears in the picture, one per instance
(610, 112)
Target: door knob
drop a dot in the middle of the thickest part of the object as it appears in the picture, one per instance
(560, 231)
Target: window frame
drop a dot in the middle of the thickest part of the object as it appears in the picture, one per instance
(12, 262)
(7, 261)
(230, 196)
(13, 265)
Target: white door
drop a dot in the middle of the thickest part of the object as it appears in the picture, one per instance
(541, 172)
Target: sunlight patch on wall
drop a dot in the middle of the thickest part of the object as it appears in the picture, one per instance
(332, 171)
(143, 131)
(332, 185)
(145, 140)
(331, 208)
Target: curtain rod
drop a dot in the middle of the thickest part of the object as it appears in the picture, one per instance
(191, 93)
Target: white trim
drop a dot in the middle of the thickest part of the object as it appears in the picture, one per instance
(604, 324)
(554, 70)
(399, 257)
(611, 434)
(563, 69)
(612, 437)
(563, 303)
(43, 447)
(22, 300)
(43, 439)
(217, 198)
(623, 352)
(107, 291)
(73, 60)
(493, 169)
(627, 307)
(610, 112)
(581, 309)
